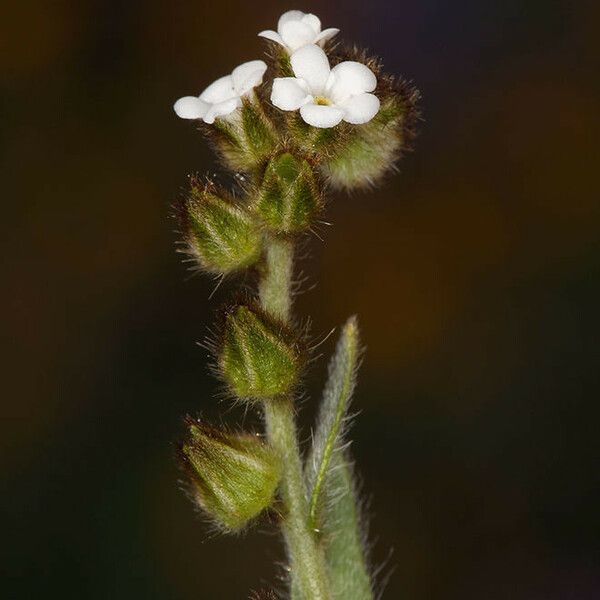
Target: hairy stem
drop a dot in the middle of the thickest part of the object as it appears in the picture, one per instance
(276, 282)
(307, 562)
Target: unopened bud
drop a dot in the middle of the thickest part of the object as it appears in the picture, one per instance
(289, 196)
(258, 358)
(220, 234)
(233, 477)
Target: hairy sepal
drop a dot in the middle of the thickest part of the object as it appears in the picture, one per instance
(232, 477)
(220, 234)
(363, 154)
(246, 137)
(259, 358)
(289, 196)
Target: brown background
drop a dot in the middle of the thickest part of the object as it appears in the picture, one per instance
(474, 272)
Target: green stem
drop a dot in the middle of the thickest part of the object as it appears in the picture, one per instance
(276, 282)
(307, 562)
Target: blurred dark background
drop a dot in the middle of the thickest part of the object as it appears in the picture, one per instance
(475, 272)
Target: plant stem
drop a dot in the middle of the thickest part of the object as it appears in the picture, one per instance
(307, 562)
(276, 282)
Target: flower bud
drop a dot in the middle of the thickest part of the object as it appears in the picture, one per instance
(289, 196)
(221, 235)
(246, 137)
(369, 151)
(258, 357)
(233, 477)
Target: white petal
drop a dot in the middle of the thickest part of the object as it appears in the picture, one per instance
(190, 107)
(219, 91)
(221, 109)
(360, 109)
(288, 93)
(313, 21)
(247, 76)
(320, 115)
(326, 34)
(290, 15)
(349, 79)
(311, 64)
(271, 35)
(296, 34)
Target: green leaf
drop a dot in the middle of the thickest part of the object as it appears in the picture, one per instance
(344, 534)
(334, 507)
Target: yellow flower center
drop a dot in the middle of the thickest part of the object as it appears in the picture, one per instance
(322, 101)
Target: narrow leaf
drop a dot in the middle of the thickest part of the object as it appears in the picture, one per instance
(328, 438)
(334, 506)
(344, 534)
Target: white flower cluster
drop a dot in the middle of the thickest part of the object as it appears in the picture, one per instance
(323, 95)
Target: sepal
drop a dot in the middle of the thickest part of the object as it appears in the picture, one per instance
(258, 357)
(219, 233)
(289, 196)
(367, 152)
(246, 137)
(232, 477)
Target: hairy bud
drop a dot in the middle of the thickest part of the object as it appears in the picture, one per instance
(233, 477)
(258, 358)
(289, 196)
(221, 235)
(246, 138)
(369, 151)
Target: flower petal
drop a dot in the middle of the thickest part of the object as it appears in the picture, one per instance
(219, 91)
(288, 93)
(271, 35)
(313, 22)
(221, 109)
(296, 34)
(326, 34)
(190, 107)
(311, 64)
(350, 78)
(320, 115)
(290, 15)
(247, 76)
(360, 109)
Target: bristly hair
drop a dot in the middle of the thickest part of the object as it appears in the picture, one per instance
(263, 595)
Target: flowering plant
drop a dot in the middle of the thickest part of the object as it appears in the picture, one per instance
(290, 129)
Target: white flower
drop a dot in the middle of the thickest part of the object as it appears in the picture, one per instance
(224, 95)
(296, 29)
(326, 96)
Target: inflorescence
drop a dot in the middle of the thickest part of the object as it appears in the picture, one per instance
(312, 116)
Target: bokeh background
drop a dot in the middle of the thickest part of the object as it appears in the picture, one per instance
(475, 272)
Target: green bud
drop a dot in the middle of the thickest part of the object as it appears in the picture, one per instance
(233, 477)
(369, 151)
(221, 235)
(246, 137)
(289, 196)
(258, 357)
